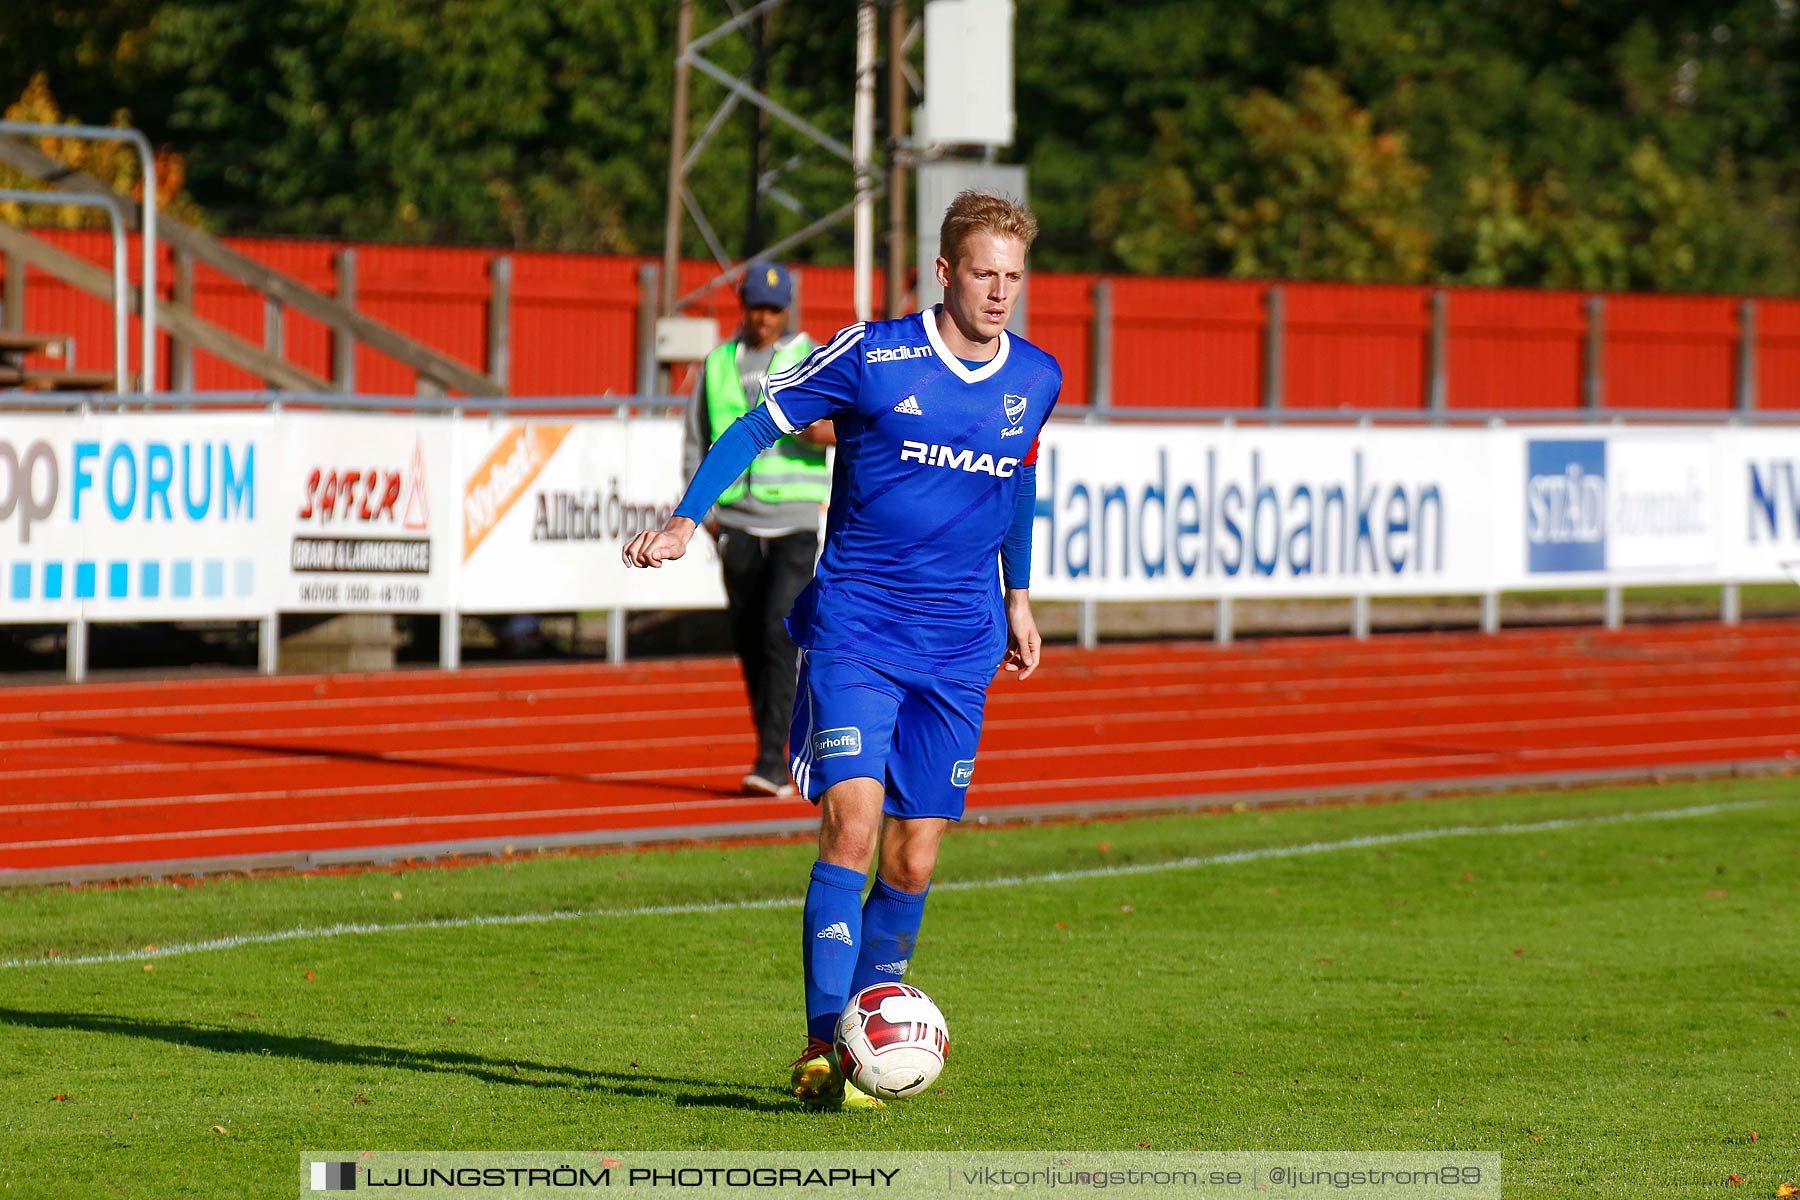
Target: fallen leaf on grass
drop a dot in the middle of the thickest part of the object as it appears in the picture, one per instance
(1753, 1135)
(1786, 1191)
(449, 1020)
(1735, 1180)
(1143, 1145)
(151, 948)
(359, 1098)
(1105, 846)
(309, 974)
(1715, 893)
(61, 1097)
(149, 966)
(218, 1129)
(1126, 908)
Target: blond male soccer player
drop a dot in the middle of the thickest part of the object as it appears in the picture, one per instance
(937, 417)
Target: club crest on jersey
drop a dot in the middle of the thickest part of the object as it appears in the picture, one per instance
(895, 353)
(1015, 407)
(936, 455)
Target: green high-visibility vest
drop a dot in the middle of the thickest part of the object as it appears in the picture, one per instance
(790, 469)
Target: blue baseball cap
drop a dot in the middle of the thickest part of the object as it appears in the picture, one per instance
(767, 283)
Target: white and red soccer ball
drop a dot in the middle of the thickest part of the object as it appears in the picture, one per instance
(892, 1040)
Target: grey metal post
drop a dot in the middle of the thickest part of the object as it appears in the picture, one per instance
(1100, 351)
(1731, 604)
(1274, 350)
(1223, 631)
(499, 321)
(1490, 612)
(1593, 357)
(1087, 623)
(1745, 398)
(268, 644)
(343, 344)
(1615, 607)
(1437, 354)
(615, 636)
(12, 300)
(181, 351)
(76, 664)
(1359, 617)
(450, 640)
(646, 330)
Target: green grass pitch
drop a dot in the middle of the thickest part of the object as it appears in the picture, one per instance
(1612, 1004)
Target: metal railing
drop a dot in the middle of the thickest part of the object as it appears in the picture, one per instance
(140, 143)
(115, 222)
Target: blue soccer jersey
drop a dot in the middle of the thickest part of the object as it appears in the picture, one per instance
(928, 454)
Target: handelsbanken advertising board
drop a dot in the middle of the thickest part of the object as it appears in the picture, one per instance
(133, 517)
(546, 507)
(1172, 512)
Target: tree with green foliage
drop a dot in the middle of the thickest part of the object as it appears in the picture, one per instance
(1600, 144)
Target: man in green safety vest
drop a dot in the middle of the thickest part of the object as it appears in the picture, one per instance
(767, 522)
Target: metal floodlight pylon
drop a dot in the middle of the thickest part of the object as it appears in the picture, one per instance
(867, 186)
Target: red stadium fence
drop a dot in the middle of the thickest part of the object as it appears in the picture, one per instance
(571, 324)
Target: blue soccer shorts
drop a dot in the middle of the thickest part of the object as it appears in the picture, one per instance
(914, 732)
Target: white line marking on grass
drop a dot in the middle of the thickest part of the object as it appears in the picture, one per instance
(1261, 853)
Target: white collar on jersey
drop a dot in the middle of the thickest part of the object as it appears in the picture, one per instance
(987, 370)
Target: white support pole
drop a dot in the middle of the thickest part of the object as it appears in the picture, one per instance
(862, 153)
(1615, 607)
(1731, 604)
(615, 636)
(1490, 612)
(76, 663)
(1359, 617)
(1223, 631)
(268, 644)
(1087, 624)
(450, 640)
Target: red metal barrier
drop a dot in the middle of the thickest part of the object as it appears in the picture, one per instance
(1176, 343)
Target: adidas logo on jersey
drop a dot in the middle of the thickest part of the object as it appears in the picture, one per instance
(894, 968)
(837, 931)
(933, 455)
(896, 353)
(910, 405)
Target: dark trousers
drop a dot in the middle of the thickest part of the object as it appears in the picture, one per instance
(763, 577)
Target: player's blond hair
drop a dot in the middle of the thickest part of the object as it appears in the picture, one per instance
(974, 212)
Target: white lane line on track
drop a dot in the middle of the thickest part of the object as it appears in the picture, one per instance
(478, 776)
(1259, 673)
(463, 752)
(1229, 858)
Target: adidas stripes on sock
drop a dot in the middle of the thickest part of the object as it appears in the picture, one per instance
(890, 927)
(832, 929)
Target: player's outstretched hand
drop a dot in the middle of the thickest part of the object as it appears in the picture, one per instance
(1023, 645)
(653, 547)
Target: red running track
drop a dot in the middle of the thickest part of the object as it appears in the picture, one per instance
(153, 778)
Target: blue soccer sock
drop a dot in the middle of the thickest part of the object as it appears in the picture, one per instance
(890, 928)
(832, 928)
